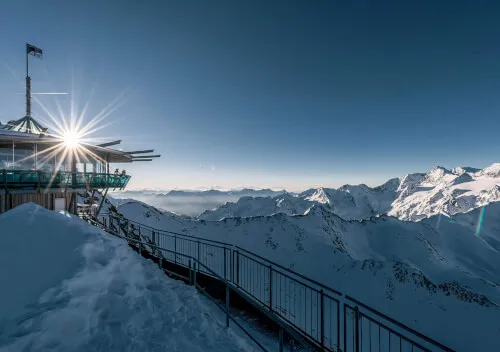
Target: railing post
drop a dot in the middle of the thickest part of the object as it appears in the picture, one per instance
(225, 265)
(356, 327)
(189, 266)
(195, 267)
(175, 249)
(227, 305)
(140, 240)
(198, 258)
(237, 269)
(271, 288)
(322, 315)
(153, 239)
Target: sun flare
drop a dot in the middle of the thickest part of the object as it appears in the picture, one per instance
(71, 139)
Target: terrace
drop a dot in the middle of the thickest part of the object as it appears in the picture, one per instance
(41, 162)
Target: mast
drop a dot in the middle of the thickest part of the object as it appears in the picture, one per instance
(28, 86)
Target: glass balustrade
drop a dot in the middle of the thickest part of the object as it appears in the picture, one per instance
(25, 179)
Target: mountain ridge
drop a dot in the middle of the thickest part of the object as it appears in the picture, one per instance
(410, 197)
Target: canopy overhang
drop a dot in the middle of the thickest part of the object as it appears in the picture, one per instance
(43, 142)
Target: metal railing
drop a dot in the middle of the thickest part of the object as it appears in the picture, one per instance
(306, 309)
(38, 179)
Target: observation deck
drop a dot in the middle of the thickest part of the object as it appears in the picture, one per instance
(27, 180)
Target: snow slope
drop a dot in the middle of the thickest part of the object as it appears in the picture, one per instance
(411, 197)
(444, 266)
(66, 286)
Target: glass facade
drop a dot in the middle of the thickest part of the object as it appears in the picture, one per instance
(23, 167)
(25, 158)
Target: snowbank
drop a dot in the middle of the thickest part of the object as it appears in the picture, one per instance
(66, 286)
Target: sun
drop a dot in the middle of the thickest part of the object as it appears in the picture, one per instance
(71, 139)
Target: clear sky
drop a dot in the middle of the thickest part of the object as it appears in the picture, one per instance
(263, 93)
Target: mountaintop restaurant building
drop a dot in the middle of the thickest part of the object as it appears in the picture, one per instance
(40, 168)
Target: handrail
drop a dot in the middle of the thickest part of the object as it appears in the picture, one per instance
(401, 325)
(291, 271)
(229, 245)
(276, 272)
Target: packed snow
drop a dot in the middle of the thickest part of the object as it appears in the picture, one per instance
(439, 276)
(67, 286)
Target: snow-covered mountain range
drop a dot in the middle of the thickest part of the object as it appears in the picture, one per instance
(191, 202)
(411, 197)
(440, 275)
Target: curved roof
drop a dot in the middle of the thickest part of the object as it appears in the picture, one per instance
(26, 124)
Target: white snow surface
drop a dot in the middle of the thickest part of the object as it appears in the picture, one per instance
(440, 276)
(67, 286)
(411, 197)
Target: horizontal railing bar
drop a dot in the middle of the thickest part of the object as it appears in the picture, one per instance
(390, 330)
(167, 232)
(292, 272)
(401, 325)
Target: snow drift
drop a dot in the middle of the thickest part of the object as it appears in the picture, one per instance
(67, 286)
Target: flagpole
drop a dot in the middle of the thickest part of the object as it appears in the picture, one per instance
(28, 86)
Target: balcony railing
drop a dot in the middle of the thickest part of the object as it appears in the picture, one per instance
(40, 180)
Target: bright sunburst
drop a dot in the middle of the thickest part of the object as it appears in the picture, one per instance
(71, 139)
(75, 137)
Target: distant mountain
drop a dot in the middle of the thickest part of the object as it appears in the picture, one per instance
(446, 266)
(246, 192)
(192, 202)
(257, 206)
(411, 197)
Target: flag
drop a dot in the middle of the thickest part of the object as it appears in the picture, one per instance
(33, 50)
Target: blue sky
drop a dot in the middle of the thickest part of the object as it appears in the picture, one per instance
(290, 94)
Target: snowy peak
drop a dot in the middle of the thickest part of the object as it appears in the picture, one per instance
(258, 206)
(438, 175)
(492, 171)
(319, 195)
(465, 169)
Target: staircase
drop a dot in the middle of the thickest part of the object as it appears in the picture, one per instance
(304, 310)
